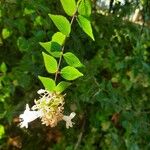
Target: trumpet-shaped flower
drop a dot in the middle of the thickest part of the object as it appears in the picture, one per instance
(28, 116)
(49, 108)
(69, 123)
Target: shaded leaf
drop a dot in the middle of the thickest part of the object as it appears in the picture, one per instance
(23, 44)
(52, 47)
(46, 45)
(70, 73)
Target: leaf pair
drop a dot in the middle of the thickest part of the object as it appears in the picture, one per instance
(68, 73)
(70, 8)
(50, 85)
(84, 11)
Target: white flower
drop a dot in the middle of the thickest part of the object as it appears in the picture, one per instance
(69, 123)
(41, 91)
(28, 116)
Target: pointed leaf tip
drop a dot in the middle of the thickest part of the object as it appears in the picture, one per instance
(85, 24)
(61, 23)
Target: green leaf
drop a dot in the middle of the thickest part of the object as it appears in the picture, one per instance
(85, 8)
(61, 23)
(48, 83)
(70, 73)
(23, 44)
(62, 86)
(38, 21)
(72, 60)
(69, 6)
(59, 38)
(46, 45)
(52, 47)
(6, 33)
(3, 67)
(85, 24)
(50, 63)
(2, 131)
(28, 11)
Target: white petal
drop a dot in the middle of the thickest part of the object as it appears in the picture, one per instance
(28, 116)
(41, 91)
(72, 115)
(69, 123)
(27, 107)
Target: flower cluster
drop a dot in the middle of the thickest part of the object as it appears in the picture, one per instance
(49, 108)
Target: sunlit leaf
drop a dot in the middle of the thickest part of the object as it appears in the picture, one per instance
(69, 6)
(85, 8)
(72, 60)
(61, 23)
(70, 73)
(85, 24)
(2, 131)
(6, 33)
(50, 63)
(62, 86)
(48, 83)
(59, 38)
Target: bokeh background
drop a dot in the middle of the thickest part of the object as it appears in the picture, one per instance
(112, 100)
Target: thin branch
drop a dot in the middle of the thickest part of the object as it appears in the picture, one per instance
(60, 59)
(80, 136)
(63, 47)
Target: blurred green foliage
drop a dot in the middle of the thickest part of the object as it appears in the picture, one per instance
(111, 100)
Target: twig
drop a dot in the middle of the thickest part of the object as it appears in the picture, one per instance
(62, 50)
(80, 136)
(63, 47)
